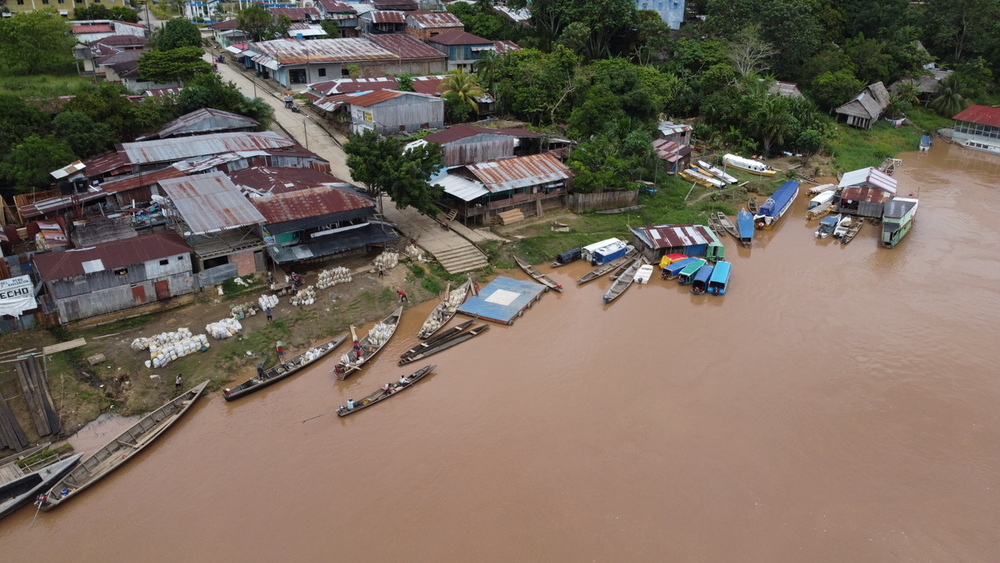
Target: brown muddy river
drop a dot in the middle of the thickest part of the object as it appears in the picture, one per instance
(838, 404)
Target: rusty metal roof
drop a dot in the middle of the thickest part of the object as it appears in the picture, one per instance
(458, 132)
(205, 120)
(211, 203)
(980, 114)
(111, 162)
(333, 6)
(408, 5)
(386, 16)
(433, 20)
(345, 49)
(422, 84)
(310, 202)
(70, 263)
(459, 37)
(505, 46)
(278, 179)
(93, 28)
(372, 98)
(674, 236)
(297, 14)
(181, 148)
(520, 172)
(140, 180)
(405, 46)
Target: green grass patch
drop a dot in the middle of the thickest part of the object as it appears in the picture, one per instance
(43, 86)
(853, 149)
(417, 270)
(232, 290)
(432, 284)
(928, 121)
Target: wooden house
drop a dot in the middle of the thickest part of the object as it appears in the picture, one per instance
(863, 192)
(469, 144)
(425, 25)
(393, 111)
(113, 276)
(462, 48)
(691, 240)
(865, 109)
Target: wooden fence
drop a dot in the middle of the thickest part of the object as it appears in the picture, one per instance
(602, 200)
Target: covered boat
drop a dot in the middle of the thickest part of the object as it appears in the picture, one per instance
(386, 391)
(775, 207)
(897, 219)
(845, 225)
(925, 143)
(744, 224)
(719, 281)
(604, 251)
(282, 370)
(567, 257)
(827, 226)
(368, 346)
(686, 276)
(669, 259)
(22, 490)
(671, 271)
(748, 165)
(699, 284)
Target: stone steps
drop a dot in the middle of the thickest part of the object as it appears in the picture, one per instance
(461, 259)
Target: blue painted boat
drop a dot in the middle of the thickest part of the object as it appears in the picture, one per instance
(925, 142)
(670, 271)
(719, 281)
(744, 224)
(700, 283)
(776, 205)
(687, 274)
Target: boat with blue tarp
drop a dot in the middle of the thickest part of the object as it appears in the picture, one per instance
(776, 205)
(670, 271)
(686, 276)
(744, 223)
(719, 281)
(925, 142)
(700, 282)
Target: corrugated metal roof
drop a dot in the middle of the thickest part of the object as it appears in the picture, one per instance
(372, 98)
(670, 151)
(333, 6)
(140, 180)
(407, 5)
(44, 206)
(458, 132)
(94, 28)
(405, 46)
(386, 16)
(864, 193)
(223, 25)
(310, 202)
(205, 120)
(297, 14)
(673, 236)
(210, 203)
(121, 41)
(519, 172)
(505, 46)
(277, 179)
(118, 254)
(458, 37)
(173, 150)
(433, 20)
(869, 175)
(111, 162)
(462, 188)
(345, 49)
(980, 114)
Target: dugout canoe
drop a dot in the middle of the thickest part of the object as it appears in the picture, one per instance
(388, 390)
(280, 371)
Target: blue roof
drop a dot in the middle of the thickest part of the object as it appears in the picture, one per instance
(502, 299)
(721, 272)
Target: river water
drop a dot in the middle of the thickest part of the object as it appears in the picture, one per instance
(838, 404)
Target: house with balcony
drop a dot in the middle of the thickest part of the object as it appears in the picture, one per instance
(462, 49)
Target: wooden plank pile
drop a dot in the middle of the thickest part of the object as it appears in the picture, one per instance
(36, 393)
(11, 435)
(512, 216)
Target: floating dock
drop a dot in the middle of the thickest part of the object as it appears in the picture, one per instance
(502, 300)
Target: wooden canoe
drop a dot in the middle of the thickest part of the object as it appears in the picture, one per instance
(21, 491)
(752, 204)
(852, 232)
(445, 310)
(282, 370)
(439, 337)
(372, 342)
(124, 447)
(605, 268)
(384, 393)
(727, 224)
(716, 226)
(445, 344)
(537, 275)
(623, 282)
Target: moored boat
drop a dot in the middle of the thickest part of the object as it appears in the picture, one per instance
(816, 190)
(827, 225)
(623, 282)
(844, 225)
(604, 251)
(368, 346)
(282, 370)
(445, 310)
(897, 220)
(748, 165)
(608, 267)
(686, 276)
(388, 390)
(701, 178)
(672, 270)
(982, 146)
(775, 206)
(122, 448)
(567, 257)
(744, 224)
(699, 284)
(669, 259)
(439, 337)
(715, 226)
(752, 204)
(717, 172)
(443, 345)
(727, 224)
(538, 276)
(925, 143)
(718, 283)
(21, 491)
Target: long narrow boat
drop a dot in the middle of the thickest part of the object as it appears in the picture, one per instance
(715, 226)
(436, 339)
(752, 204)
(748, 165)
(717, 172)
(124, 447)
(388, 390)
(537, 275)
(444, 345)
(445, 310)
(700, 282)
(19, 492)
(368, 346)
(744, 224)
(282, 370)
(623, 282)
(605, 268)
(776, 205)
(852, 232)
(727, 224)
(686, 276)
(703, 179)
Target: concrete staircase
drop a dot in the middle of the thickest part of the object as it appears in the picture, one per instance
(463, 258)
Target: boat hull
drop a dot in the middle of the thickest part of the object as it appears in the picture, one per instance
(283, 371)
(382, 394)
(777, 205)
(369, 350)
(21, 491)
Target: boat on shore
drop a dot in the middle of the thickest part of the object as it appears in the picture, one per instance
(608, 267)
(443, 345)
(925, 143)
(21, 491)
(282, 370)
(703, 179)
(445, 310)
(897, 220)
(623, 282)
(816, 190)
(744, 224)
(752, 204)
(538, 276)
(122, 448)
(717, 172)
(441, 336)
(567, 257)
(368, 346)
(388, 390)
(776, 205)
(727, 224)
(748, 165)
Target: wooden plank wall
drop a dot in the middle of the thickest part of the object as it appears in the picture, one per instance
(11, 435)
(31, 375)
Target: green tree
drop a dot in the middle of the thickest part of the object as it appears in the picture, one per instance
(331, 28)
(19, 120)
(208, 90)
(84, 137)
(99, 12)
(831, 89)
(486, 69)
(772, 122)
(533, 85)
(108, 104)
(749, 52)
(404, 83)
(174, 34)
(175, 65)
(383, 167)
(871, 62)
(951, 98)
(31, 42)
(651, 40)
(809, 142)
(455, 110)
(29, 164)
(575, 37)
(463, 85)
(256, 21)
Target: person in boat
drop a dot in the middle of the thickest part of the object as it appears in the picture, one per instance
(350, 404)
(226, 391)
(403, 380)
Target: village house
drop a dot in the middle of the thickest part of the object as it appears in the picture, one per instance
(676, 155)
(203, 121)
(463, 49)
(344, 14)
(226, 33)
(479, 192)
(978, 127)
(691, 240)
(114, 276)
(424, 25)
(202, 11)
(222, 227)
(865, 109)
(329, 97)
(469, 144)
(89, 31)
(786, 89)
(382, 21)
(392, 111)
(677, 132)
(863, 192)
(86, 54)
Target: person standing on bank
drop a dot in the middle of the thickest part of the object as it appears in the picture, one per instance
(267, 313)
(402, 296)
(177, 383)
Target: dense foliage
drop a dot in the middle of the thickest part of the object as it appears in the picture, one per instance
(34, 42)
(384, 167)
(99, 12)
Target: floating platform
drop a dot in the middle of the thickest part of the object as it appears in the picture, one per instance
(502, 300)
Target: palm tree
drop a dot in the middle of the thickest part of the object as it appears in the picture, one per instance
(486, 68)
(464, 86)
(951, 97)
(772, 122)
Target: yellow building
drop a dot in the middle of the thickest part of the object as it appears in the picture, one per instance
(65, 7)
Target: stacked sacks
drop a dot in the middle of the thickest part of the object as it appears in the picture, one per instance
(239, 281)
(267, 301)
(329, 278)
(415, 253)
(387, 260)
(305, 296)
(223, 329)
(168, 346)
(243, 310)
(376, 337)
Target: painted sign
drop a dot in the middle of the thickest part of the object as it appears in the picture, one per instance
(17, 295)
